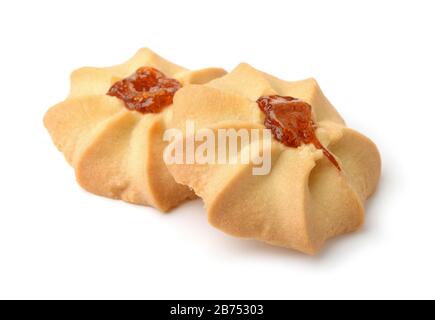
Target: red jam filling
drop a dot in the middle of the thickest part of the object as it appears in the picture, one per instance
(147, 90)
(290, 121)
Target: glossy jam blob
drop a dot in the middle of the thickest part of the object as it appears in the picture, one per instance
(147, 90)
(290, 121)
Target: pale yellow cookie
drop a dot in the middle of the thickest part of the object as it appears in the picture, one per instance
(117, 152)
(305, 199)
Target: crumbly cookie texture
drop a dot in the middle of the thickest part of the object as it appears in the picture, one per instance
(304, 200)
(116, 152)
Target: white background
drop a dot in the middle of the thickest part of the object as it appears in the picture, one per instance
(373, 59)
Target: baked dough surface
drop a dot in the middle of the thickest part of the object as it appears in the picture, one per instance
(304, 200)
(117, 153)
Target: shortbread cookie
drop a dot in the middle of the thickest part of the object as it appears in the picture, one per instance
(321, 171)
(110, 128)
